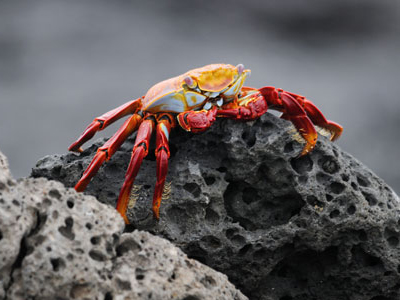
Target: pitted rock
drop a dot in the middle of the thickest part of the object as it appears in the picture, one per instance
(58, 244)
(241, 200)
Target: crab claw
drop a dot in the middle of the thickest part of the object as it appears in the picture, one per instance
(197, 121)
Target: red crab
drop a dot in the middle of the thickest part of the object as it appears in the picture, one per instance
(194, 99)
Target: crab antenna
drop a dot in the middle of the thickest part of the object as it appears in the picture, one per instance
(189, 81)
(240, 68)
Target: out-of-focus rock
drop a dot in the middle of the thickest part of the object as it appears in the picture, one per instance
(322, 226)
(58, 244)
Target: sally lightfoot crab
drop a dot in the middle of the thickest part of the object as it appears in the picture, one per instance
(193, 100)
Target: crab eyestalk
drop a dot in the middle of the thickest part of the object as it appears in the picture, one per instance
(190, 82)
(240, 69)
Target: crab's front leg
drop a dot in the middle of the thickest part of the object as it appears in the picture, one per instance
(279, 97)
(294, 112)
(317, 117)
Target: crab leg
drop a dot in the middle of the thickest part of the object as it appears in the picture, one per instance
(197, 121)
(107, 150)
(164, 126)
(318, 118)
(139, 152)
(293, 112)
(103, 121)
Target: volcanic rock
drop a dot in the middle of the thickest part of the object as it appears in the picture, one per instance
(58, 244)
(241, 200)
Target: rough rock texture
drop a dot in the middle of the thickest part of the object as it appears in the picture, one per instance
(322, 226)
(57, 244)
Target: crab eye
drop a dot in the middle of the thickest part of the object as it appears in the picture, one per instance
(240, 68)
(190, 82)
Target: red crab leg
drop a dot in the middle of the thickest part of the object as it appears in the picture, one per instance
(318, 118)
(197, 121)
(162, 153)
(253, 109)
(293, 112)
(107, 150)
(103, 121)
(139, 152)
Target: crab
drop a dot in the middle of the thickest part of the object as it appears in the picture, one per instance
(193, 100)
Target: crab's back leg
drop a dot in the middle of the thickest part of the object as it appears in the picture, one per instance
(293, 112)
(164, 124)
(108, 149)
(139, 152)
(103, 121)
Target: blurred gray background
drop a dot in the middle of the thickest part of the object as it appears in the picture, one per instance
(62, 63)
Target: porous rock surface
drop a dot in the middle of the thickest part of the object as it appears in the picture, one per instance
(57, 244)
(322, 226)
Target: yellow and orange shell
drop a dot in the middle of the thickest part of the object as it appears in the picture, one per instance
(171, 95)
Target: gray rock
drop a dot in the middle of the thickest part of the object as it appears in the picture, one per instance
(322, 226)
(58, 244)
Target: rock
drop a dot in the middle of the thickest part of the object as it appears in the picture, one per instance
(322, 226)
(58, 244)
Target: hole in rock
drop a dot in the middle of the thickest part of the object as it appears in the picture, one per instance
(57, 264)
(97, 255)
(222, 169)
(249, 136)
(192, 188)
(254, 209)
(95, 240)
(302, 164)
(329, 164)
(371, 199)
(323, 178)
(70, 203)
(288, 147)
(336, 187)
(364, 259)
(55, 194)
(351, 210)
(363, 181)
(66, 230)
(124, 285)
(307, 266)
(209, 180)
(211, 215)
(334, 214)
(139, 277)
(391, 237)
(126, 246)
(191, 297)
(108, 296)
